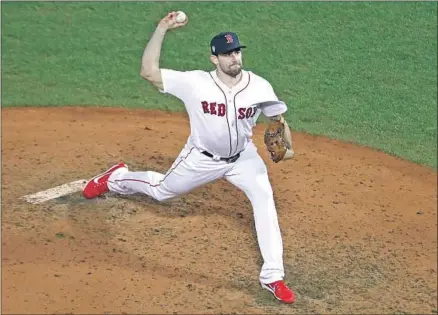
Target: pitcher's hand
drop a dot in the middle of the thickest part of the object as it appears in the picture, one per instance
(169, 21)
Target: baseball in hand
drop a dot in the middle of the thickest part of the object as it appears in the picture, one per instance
(180, 17)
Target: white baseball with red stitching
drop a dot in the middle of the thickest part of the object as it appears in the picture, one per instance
(180, 16)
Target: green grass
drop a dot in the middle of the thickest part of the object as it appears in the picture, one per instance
(359, 71)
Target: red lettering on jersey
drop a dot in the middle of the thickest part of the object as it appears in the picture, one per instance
(241, 113)
(221, 110)
(205, 107)
(213, 108)
(248, 112)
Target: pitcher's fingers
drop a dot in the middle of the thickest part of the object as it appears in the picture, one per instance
(168, 16)
(184, 22)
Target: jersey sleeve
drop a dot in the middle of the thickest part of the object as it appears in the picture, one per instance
(273, 108)
(271, 105)
(176, 83)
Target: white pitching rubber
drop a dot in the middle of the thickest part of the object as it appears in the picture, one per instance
(55, 192)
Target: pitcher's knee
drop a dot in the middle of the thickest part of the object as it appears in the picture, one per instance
(264, 190)
(261, 196)
(162, 194)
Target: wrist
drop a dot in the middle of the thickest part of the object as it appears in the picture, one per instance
(161, 29)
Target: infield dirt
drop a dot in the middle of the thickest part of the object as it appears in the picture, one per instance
(359, 227)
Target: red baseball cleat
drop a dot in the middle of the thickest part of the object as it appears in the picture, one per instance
(98, 185)
(280, 291)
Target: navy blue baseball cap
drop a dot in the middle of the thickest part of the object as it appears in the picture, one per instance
(225, 42)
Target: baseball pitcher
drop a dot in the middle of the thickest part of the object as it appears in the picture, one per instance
(223, 106)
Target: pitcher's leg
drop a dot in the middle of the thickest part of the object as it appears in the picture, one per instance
(187, 172)
(146, 182)
(250, 175)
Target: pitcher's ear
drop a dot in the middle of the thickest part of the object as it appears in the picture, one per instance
(214, 59)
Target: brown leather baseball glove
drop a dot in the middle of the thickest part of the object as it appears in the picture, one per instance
(274, 140)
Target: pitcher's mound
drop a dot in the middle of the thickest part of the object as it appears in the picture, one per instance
(359, 227)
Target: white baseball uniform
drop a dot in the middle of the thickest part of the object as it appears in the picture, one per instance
(221, 122)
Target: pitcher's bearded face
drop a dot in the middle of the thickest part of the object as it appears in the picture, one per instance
(230, 63)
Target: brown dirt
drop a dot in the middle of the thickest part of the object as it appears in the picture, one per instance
(359, 227)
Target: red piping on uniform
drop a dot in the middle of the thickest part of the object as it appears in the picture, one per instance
(168, 173)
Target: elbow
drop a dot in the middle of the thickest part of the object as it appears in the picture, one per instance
(146, 72)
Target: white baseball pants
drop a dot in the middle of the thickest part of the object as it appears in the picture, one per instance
(192, 169)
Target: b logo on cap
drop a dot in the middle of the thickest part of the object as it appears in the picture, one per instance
(229, 38)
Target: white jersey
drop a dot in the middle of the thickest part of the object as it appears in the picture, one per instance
(221, 118)
(221, 121)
